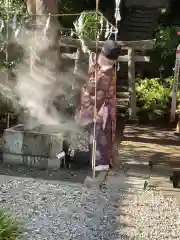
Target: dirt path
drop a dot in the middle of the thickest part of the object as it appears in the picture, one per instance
(154, 212)
(144, 143)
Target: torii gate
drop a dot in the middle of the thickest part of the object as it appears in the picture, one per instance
(131, 58)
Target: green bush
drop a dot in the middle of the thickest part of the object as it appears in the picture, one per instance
(151, 93)
(10, 229)
(154, 96)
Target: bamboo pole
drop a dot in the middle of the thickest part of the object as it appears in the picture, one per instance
(7, 39)
(95, 104)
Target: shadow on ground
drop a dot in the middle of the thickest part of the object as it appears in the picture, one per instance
(146, 144)
(142, 144)
(74, 175)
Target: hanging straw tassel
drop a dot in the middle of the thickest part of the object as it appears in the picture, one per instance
(107, 30)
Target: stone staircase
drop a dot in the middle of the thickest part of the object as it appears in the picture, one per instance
(122, 92)
(138, 24)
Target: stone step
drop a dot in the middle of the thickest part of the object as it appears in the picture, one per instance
(122, 82)
(124, 107)
(143, 29)
(122, 100)
(121, 115)
(139, 24)
(123, 95)
(122, 88)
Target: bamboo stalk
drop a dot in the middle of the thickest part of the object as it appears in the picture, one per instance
(95, 103)
(7, 40)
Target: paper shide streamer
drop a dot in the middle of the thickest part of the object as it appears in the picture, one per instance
(101, 24)
(47, 25)
(110, 32)
(107, 30)
(117, 14)
(117, 17)
(72, 32)
(80, 25)
(1, 25)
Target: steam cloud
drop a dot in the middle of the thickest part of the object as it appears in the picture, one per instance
(39, 82)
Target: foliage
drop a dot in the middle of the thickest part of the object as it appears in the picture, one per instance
(12, 13)
(166, 41)
(90, 25)
(153, 93)
(12, 7)
(10, 229)
(69, 6)
(164, 50)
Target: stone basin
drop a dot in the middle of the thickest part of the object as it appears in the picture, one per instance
(32, 147)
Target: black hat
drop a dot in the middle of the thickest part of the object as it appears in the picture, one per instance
(111, 49)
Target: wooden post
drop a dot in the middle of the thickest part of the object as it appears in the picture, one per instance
(175, 86)
(131, 81)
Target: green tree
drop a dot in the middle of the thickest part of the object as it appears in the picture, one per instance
(164, 51)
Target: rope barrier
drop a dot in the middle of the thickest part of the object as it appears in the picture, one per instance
(68, 14)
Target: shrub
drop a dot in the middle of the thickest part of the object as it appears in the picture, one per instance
(154, 95)
(151, 93)
(10, 229)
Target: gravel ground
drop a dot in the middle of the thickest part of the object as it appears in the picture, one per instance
(59, 210)
(145, 215)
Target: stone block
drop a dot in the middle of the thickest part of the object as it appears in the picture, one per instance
(13, 140)
(32, 148)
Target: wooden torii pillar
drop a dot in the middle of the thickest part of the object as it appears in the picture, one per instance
(174, 91)
(131, 59)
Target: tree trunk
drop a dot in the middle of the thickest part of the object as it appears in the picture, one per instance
(41, 6)
(42, 9)
(45, 60)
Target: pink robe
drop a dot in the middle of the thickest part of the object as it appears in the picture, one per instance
(105, 126)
